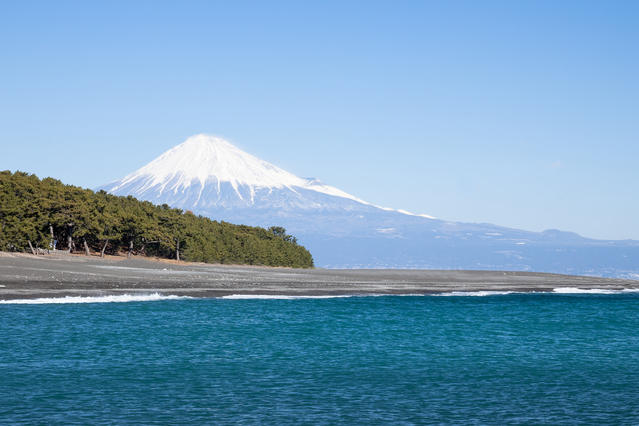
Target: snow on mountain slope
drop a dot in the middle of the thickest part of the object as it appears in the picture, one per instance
(197, 172)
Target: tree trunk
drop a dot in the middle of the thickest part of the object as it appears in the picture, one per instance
(86, 247)
(104, 248)
(177, 251)
(31, 247)
(128, 256)
(70, 244)
(51, 246)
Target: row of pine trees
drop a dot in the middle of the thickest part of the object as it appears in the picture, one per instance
(40, 215)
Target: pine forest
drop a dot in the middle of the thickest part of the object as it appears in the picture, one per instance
(41, 215)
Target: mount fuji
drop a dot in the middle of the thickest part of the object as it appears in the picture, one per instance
(209, 176)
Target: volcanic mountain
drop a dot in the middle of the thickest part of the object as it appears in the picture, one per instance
(212, 177)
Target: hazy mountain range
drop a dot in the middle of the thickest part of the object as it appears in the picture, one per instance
(211, 177)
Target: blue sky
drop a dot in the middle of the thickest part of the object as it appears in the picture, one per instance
(522, 114)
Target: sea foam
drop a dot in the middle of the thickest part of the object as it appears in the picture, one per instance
(281, 296)
(95, 299)
(475, 293)
(575, 290)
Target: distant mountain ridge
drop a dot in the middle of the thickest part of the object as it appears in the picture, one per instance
(212, 177)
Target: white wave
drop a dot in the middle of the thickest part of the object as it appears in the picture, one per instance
(575, 290)
(475, 293)
(94, 299)
(282, 296)
(289, 297)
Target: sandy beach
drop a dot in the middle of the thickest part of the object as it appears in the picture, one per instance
(26, 276)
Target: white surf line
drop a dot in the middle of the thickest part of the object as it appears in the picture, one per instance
(94, 299)
(289, 297)
(480, 293)
(157, 296)
(575, 290)
(558, 290)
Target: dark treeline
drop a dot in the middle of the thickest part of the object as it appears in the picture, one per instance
(39, 214)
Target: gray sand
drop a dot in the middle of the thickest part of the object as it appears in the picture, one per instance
(27, 276)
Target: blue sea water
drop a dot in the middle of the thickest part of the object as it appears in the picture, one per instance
(535, 358)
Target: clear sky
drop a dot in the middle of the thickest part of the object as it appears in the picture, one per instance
(524, 114)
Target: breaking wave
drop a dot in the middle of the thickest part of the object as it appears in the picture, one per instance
(157, 296)
(475, 293)
(283, 297)
(575, 290)
(94, 299)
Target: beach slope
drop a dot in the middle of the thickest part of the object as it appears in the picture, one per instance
(27, 277)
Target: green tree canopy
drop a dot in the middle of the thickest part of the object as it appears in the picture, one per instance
(31, 209)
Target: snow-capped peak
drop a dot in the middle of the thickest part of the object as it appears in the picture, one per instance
(203, 157)
(210, 161)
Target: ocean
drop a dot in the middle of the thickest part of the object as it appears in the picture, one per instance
(482, 359)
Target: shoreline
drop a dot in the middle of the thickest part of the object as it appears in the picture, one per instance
(24, 276)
